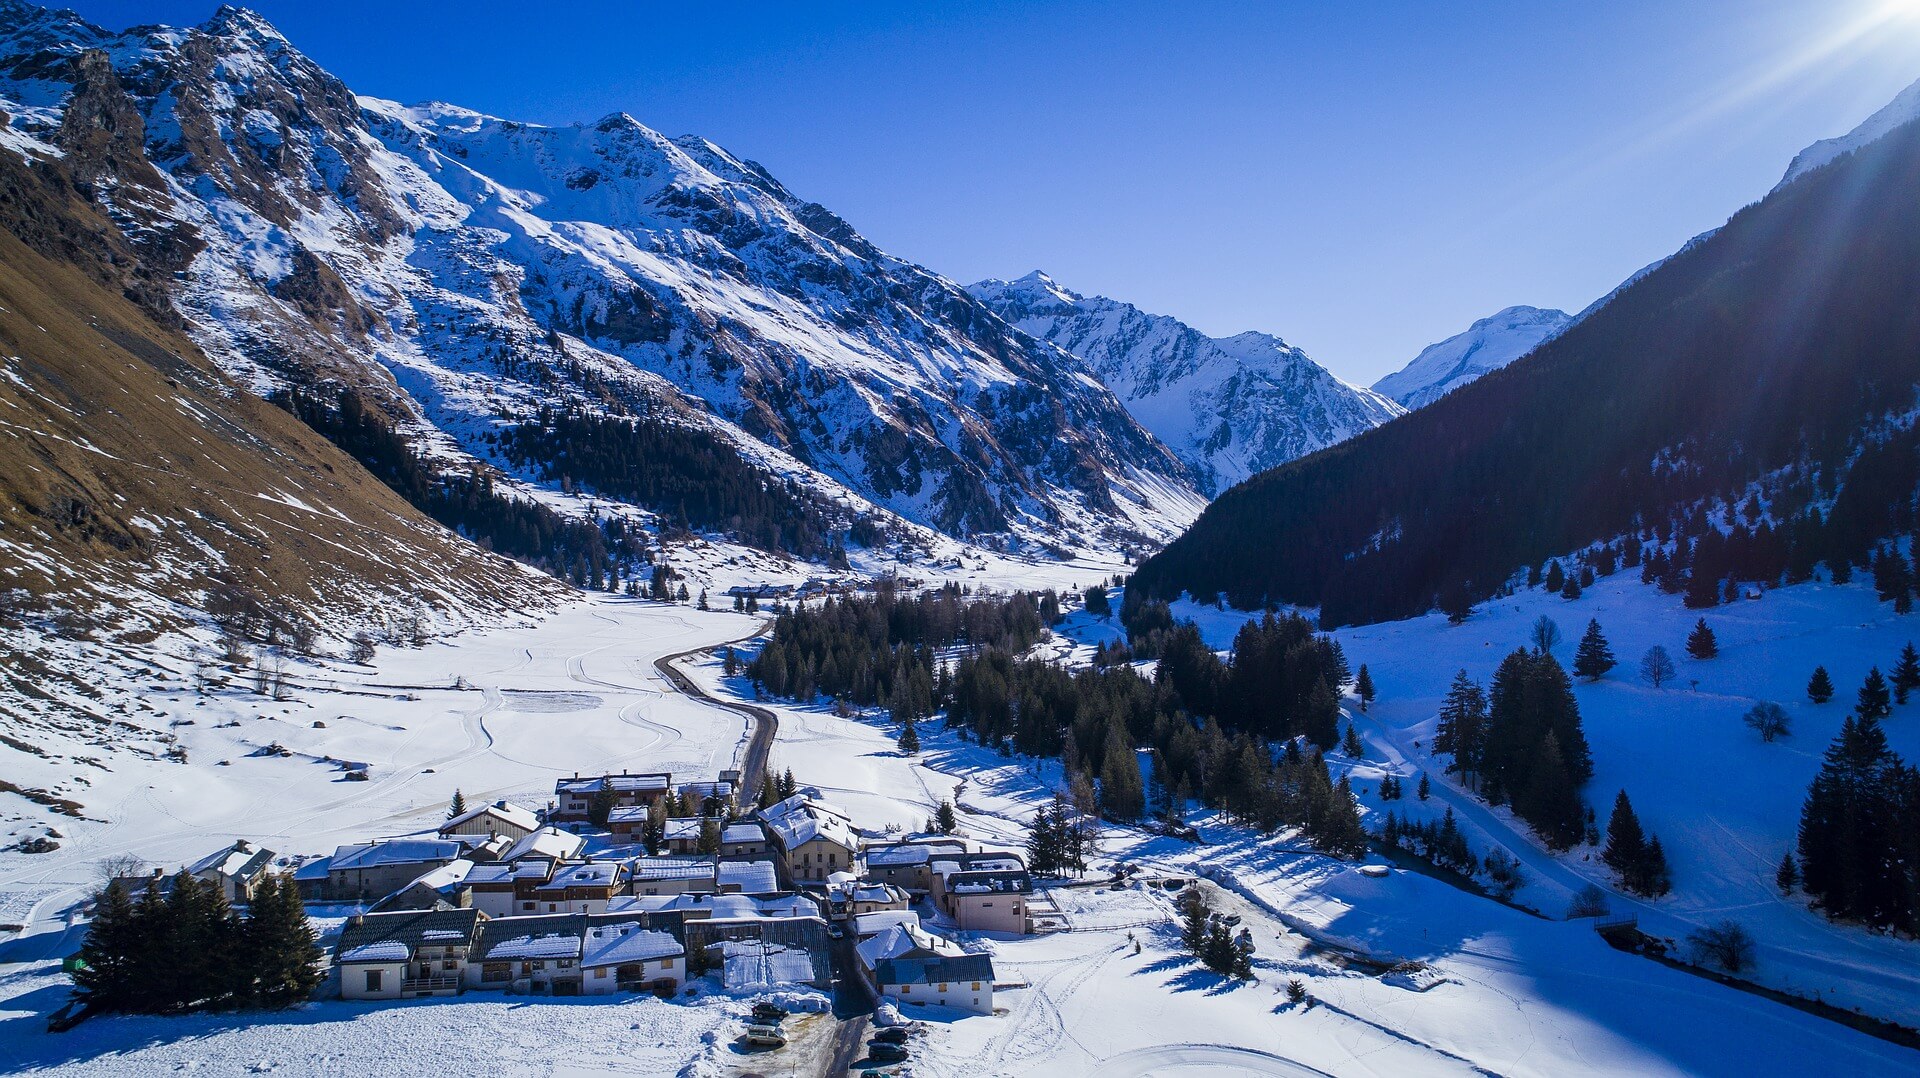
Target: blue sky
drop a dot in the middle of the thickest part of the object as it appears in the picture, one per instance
(1360, 178)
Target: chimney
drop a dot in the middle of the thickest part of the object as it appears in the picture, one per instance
(357, 919)
(240, 846)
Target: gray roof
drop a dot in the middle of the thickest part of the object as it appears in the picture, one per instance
(966, 967)
(559, 935)
(408, 929)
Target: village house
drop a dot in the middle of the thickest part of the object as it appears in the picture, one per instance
(702, 906)
(529, 954)
(762, 949)
(627, 826)
(683, 833)
(581, 888)
(814, 839)
(627, 956)
(745, 840)
(405, 955)
(366, 871)
(490, 887)
(669, 875)
(573, 797)
(441, 887)
(501, 819)
(708, 798)
(746, 877)
(234, 870)
(962, 982)
(983, 892)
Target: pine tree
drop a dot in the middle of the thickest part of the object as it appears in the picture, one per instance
(285, 953)
(1572, 588)
(1322, 720)
(458, 807)
(110, 977)
(1425, 789)
(1242, 965)
(1820, 686)
(600, 808)
(1593, 657)
(1906, 673)
(653, 833)
(1351, 745)
(788, 787)
(1654, 873)
(709, 840)
(1626, 848)
(1463, 720)
(1194, 917)
(944, 820)
(1122, 793)
(1556, 576)
(1363, 687)
(730, 662)
(1701, 643)
(909, 740)
(1875, 702)
(1788, 876)
(1044, 843)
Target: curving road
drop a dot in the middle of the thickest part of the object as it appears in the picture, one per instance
(763, 723)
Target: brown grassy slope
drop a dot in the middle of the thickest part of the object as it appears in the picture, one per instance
(133, 474)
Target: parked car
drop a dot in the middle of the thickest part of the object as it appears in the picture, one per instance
(882, 1052)
(763, 1036)
(836, 932)
(892, 1035)
(768, 1013)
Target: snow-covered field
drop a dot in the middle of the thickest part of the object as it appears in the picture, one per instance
(1516, 994)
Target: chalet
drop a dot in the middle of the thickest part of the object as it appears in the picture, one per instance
(683, 833)
(573, 797)
(628, 956)
(628, 825)
(234, 869)
(745, 841)
(711, 798)
(368, 870)
(760, 949)
(814, 839)
(500, 819)
(963, 982)
(405, 955)
(746, 877)
(669, 875)
(530, 954)
(903, 940)
(581, 888)
(490, 887)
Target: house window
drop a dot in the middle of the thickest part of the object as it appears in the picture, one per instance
(976, 986)
(564, 963)
(528, 906)
(601, 972)
(449, 964)
(986, 905)
(551, 907)
(943, 986)
(373, 980)
(538, 965)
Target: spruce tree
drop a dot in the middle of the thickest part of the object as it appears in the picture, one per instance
(1556, 576)
(600, 807)
(1463, 721)
(1194, 916)
(709, 840)
(1593, 657)
(110, 977)
(1653, 873)
(1875, 702)
(1906, 673)
(1820, 686)
(1322, 720)
(944, 819)
(1788, 875)
(1701, 643)
(1242, 967)
(458, 807)
(788, 787)
(1425, 789)
(909, 740)
(1363, 686)
(285, 953)
(1626, 848)
(1351, 745)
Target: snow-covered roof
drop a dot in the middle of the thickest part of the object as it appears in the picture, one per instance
(627, 814)
(742, 833)
(492, 874)
(654, 782)
(443, 877)
(801, 819)
(616, 944)
(508, 938)
(592, 874)
(393, 851)
(378, 951)
(504, 811)
(991, 881)
(549, 842)
(872, 924)
(671, 868)
(741, 907)
(753, 877)
(749, 962)
(903, 939)
(910, 853)
(239, 861)
(684, 828)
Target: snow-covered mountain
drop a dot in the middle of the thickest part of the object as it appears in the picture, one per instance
(1229, 406)
(1487, 345)
(465, 270)
(1902, 110)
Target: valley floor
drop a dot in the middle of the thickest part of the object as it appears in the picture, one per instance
(1507, 992)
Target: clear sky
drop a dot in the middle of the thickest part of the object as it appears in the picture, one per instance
(1362, 178)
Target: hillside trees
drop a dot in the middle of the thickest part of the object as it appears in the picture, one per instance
(1593, 657)
(1631, 852)
(1535, 753)
(1859, 841)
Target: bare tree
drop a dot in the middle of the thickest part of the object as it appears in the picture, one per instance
(1545, 634)
(1725, 944)
(361, 648)
(1589, 901)
(118, 866)
(1769, 720)
(1656, 666)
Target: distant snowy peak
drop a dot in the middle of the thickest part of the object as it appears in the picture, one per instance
(1487, 345)
(1228, 406)
(1902, 110)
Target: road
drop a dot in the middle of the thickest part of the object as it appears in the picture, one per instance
(764, 723)
(853, 1004)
